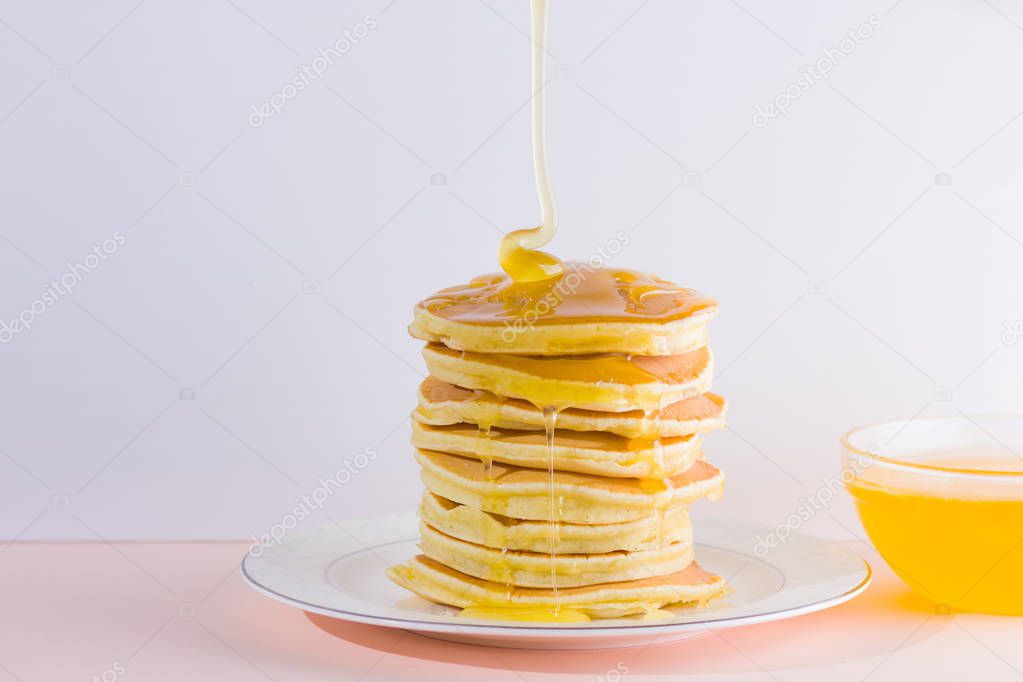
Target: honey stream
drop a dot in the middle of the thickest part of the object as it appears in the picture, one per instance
(518, 251)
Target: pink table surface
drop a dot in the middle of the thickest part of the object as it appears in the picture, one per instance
(180, 611)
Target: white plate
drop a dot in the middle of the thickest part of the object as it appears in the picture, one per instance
(338, 571)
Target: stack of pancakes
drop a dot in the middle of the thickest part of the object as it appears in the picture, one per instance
(560, 439)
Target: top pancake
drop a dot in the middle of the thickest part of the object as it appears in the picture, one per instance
(583, 311)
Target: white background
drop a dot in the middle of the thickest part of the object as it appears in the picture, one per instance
(108, 113)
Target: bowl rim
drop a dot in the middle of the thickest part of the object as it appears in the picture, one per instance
(931, 468)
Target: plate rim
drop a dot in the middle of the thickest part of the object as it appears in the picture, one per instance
(470, 628)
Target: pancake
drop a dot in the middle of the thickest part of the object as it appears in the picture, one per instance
(602, 454)
(611, 382)
(441, 403)
(559, 435)
(585, 310)
(502, 532)
(438, 583)
(523, 493)
(532, 569)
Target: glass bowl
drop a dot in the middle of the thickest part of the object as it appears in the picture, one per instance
(942, 501)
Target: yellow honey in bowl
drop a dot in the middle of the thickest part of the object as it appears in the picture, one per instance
(953, 533)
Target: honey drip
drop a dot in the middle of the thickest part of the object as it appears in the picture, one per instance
(658, 479)
(518, 251)
(550, 420)
(483, 432)
(506, 573)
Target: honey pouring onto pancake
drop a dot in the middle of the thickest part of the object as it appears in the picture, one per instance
(623, 356)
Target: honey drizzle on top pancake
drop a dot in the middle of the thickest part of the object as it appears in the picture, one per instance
(581, 293)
